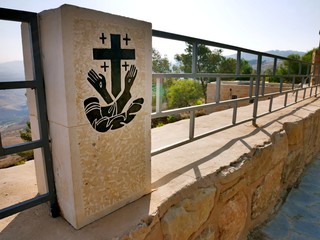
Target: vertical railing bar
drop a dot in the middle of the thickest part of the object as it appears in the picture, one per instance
(194, 57)
(300, 68)
(310, 77)
(275, 66)
(303, 81)
(1, 148)
(285, 99)
(263, 85)
(293, 82)
(270, 103)
(281, 85)
(218, 85)
(256, 98)
(234, 114)
(296, 97)
(304, 93)
(251, 87)
(159, 83)
(238, 63)
(191, 125)
(43, 119)
(311, 91)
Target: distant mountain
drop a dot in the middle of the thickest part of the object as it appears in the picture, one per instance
(249, 57)
(285, 53)
(13, 103)
(11, 71)
(266, 62)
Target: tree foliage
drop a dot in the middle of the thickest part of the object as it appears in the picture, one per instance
(184, 93)
(25, 135)
(291, 67)
(209, 61)
(160, 64)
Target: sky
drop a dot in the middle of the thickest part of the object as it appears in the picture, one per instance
(259, 25)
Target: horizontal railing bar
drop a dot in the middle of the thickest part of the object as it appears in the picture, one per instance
(213, 104)
(21, 147)
(196, 107)
(288, 105)
(183, 142)
(16, 15)
(17, 85)
(173, 36)
(5, 212)
(222, 75)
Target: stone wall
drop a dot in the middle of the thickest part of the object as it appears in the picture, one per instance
(238, 90)
(229, 203)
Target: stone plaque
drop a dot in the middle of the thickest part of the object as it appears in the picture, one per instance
(97, 70)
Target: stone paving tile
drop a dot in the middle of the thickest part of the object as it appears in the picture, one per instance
(299, 217)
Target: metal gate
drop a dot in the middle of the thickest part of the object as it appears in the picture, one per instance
(37, 84)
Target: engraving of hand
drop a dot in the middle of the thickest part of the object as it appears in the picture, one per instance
(130, 77)
(126, 95)
(99, 83)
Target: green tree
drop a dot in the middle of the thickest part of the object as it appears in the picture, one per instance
(207, 62)
(245, 67)
(160, 64)
(283, 69)
(184, 93)
(228, 65)
(25, 135)
(306, 58)
(288, 66)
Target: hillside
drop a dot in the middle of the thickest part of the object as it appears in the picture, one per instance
(13, 103)
(251, 57)
(266, 62)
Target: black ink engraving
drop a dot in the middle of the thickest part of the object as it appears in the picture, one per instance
(115, 114)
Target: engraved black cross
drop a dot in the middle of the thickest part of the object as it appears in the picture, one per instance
(115, 54)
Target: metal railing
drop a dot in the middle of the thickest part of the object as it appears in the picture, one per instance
(43, 143)
(256, 86)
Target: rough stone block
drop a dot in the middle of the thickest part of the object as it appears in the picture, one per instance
(207, 234)
(294, 131)
(267, 193)
(185, 218)
(280, 147)
(261, 162)
(293, 168)
(233, 217)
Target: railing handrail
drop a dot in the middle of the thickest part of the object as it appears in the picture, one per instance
(174, 36)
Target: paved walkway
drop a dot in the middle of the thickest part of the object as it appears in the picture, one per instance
(299, 217)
